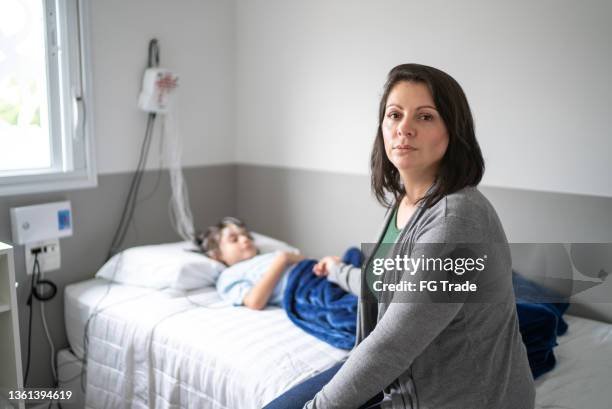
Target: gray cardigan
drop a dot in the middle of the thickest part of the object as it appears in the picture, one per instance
(437, 355)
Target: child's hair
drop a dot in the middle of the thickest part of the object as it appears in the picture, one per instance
(208, 241)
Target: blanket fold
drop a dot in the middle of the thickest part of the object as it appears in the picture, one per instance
(320, 307)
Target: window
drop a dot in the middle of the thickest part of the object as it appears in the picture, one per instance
(45, 97)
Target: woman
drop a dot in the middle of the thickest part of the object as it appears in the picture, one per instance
(425, 166)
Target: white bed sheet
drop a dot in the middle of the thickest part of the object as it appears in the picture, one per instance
(81, 299)
(237, 358)
(582, 378)
(160, 350)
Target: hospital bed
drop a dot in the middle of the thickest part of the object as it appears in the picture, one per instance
(167, 349)
(151, 348)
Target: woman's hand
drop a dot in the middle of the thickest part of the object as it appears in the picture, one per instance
(321, 269)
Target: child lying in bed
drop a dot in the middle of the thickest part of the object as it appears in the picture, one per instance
(251, 279)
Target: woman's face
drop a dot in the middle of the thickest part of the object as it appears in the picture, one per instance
(414, 133)
(235, 245)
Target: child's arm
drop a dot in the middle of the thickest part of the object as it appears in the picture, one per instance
(258, 296)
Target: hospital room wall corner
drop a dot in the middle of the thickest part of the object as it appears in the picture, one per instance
(96, 214)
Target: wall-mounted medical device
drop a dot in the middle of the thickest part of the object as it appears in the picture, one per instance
(157, 93)
(41, 222)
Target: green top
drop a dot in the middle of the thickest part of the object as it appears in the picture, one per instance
(389, 238)
(392, 232)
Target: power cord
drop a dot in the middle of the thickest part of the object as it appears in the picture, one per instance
(42, 290)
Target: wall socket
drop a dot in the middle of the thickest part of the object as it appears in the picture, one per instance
(49, 257)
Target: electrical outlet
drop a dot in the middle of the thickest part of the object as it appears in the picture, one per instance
(49, 257)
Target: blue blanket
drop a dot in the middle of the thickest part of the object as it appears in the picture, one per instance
(320, 307)
(539, 322)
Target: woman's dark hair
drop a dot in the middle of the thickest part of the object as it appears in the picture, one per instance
(462, 165)
(208, 241)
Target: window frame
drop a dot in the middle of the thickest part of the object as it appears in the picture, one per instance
(73, 87)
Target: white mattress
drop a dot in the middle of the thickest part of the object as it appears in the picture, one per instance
(156, 349)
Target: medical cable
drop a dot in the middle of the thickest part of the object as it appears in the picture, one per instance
(116, 266)
(37, 286)
(49, 340)
(54, 368)
(153, 61)
(148, 195)
(153, 53)
(29, 303)
(130, 202)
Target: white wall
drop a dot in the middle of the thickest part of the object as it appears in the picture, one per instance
(197, 42)
(309, 75)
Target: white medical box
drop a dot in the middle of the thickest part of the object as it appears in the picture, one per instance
(41, 222)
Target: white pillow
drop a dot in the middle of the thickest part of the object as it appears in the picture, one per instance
(174, 265)
(158, 266)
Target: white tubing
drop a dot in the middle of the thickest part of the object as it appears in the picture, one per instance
(179, 208)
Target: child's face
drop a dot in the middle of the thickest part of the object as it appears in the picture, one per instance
(235, 245)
